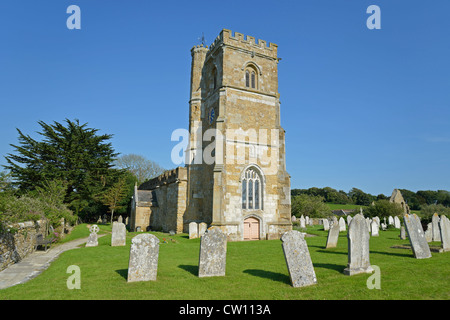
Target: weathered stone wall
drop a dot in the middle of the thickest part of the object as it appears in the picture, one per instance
(168, 205)
(14, 246)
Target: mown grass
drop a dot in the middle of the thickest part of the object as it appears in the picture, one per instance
(256, 270)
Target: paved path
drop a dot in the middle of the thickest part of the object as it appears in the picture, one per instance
(34, 264)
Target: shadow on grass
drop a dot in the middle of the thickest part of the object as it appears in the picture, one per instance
(123, 273)
(275, 276)
(337, 267)
(189, 268)
(333, 252)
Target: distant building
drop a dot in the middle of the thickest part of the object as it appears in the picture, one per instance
(397, 197)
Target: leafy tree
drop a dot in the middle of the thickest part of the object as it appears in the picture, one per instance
(143, 169)
(114, 196)
(69, 152)
(360, 197)
(383, 208)
(312, 206)
(428, 210)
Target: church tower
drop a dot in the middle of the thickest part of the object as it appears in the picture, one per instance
(236, 169)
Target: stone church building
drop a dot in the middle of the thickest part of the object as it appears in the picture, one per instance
(235, 175)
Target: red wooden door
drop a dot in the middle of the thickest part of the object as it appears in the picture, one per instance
(251, 229)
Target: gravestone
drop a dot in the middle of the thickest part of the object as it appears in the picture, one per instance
(377, 219)
(436, 231)
(444, 226)
(349, 219)
(402, 233)
(391, 220)
(93, 239)
(293, 218)
(119, 233)
(307, 220)
(202, 228)
(193, 230)
(342, 224)
(213, 253)
(358, 247)
(143, 263)
(298, 260)
(333, 236)
(120, 219)
(368, 222)
(302, 222)
(429, 232)
(416, 236)
(397, 222)
(326, 225)
(375, 228)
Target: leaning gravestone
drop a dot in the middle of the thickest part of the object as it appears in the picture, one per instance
(358, 247)
(298, 260)
(416, 236)
(119, 234)
(444, 226)
(213, 253)
(193, 230)
(143, 264)
(436, 231)
(333, 236)
(93, 239)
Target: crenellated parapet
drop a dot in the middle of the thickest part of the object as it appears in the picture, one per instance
(249, 43)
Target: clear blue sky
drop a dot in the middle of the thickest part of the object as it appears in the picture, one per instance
(361, 108)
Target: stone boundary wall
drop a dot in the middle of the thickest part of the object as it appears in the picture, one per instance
(16, 246)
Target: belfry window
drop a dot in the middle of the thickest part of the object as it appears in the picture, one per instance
(251, 78)
(252, 190)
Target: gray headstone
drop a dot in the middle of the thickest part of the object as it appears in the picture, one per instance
(358, 247)
(391, 220)
(397, 223)
(326, 225)
(402, 233)
(202, 228)
(213, 253)
(416, 236)
(119, 234)
(298, 260)
(375, 228)
(377, 219)
(444, 226)
(342, 224)
(302, 222)
(143, 264)
(307, 220)
(93, 239)
(193, 230)
(333, 236)
(120, 219)
(293, 218)
(349, 219)
(436, 231)
(429, 232)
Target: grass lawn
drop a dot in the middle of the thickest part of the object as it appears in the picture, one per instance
(256, 270)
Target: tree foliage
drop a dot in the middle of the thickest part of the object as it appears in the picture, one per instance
(70, 152)
(383, 208)
(312, 206)
(143, 169)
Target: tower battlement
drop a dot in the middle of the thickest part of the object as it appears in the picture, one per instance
(226, 37)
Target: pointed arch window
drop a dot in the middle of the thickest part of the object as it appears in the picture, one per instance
(247, 78)
(252, 193)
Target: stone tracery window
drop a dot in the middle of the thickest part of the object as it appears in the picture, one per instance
(250, 78)
(252, 193)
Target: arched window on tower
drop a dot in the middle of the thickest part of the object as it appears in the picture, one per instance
(247, 78)
(252, 190)
(253, 79)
